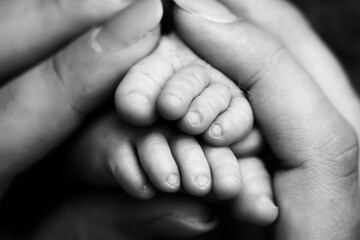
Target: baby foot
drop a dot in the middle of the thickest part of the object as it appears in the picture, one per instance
(176, 83)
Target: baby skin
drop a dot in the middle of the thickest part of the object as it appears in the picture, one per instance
(174, 83)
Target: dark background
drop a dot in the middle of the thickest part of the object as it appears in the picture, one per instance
(338, 23)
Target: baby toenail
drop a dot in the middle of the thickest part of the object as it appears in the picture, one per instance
(146, 188)
(173, 181)
(216, 131)
(202, 181)
(195, 118)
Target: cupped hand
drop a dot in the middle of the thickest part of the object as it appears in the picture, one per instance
(306, 126)
(43, 106)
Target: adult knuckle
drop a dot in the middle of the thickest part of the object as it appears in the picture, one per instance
(72, 93)
(279, 54)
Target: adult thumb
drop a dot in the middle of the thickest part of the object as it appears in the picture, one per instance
(63, 90)
(32, 30)
(316, 148)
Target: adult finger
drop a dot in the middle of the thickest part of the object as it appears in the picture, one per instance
(44, 105)
(31, 30)
(284, 21)
(306, 133)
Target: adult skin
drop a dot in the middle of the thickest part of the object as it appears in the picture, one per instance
(330, 115)
(315, 145)
(32, 30)
(316, 148)
(62, 90)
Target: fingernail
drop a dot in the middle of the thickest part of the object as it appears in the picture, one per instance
(173, 181)
(209, 9)
(216, 131)
(202, 181)
(129, 26)
(195, 118)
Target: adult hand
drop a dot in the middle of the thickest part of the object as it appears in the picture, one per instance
(106, 215)
(45, 104)
(32, 30)
(316, 184)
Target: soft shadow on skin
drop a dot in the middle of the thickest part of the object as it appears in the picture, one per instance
(31, 203)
